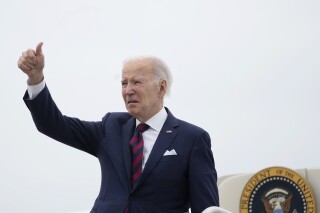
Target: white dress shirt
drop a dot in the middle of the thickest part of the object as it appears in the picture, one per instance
(149, 136)
(34, 90)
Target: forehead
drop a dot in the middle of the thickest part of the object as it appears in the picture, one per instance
(138, 67)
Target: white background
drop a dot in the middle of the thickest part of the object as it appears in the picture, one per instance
(246, 71)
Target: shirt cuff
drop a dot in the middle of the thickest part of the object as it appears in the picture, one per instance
(34, 90)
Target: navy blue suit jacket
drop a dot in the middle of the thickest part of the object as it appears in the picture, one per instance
(169, 184)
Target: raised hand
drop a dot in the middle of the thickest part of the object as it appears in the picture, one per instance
(31, 62)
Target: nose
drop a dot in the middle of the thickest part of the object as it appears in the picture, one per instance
(128, 90)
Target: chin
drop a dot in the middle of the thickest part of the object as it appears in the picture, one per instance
(132, 112)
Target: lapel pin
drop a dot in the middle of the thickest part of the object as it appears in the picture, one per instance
(169, 131)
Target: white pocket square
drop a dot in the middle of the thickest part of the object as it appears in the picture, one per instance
(171, 152)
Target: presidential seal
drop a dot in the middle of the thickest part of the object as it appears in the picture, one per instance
(277, 190)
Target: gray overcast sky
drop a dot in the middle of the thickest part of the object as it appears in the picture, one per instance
(246, 71)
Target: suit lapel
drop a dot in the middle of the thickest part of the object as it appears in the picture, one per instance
(122, 162)
(127, 133)
(163, 142)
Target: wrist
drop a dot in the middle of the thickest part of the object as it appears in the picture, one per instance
(35, 79)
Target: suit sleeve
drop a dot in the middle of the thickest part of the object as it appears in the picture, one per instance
(203, 189)
(50, 121)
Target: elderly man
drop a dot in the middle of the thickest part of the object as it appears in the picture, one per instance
(150, 161)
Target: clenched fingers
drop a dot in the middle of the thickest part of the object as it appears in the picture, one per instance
(27, 60)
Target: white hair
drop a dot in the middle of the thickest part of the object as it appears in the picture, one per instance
(162, 72)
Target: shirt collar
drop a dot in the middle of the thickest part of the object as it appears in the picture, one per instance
(156, 122)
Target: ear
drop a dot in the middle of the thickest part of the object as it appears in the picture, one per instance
(163, 88)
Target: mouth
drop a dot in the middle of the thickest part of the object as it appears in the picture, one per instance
(132, 102)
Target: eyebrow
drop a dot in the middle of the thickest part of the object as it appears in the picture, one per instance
(135, 78)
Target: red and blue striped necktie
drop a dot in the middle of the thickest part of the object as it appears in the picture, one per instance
(136, 145)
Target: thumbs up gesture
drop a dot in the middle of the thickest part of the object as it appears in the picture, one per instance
(31, 62)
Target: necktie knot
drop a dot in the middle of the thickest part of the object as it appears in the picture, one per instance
(142, 127)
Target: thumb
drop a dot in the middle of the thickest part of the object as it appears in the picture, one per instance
(39, 49)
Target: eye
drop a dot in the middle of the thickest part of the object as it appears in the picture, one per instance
(124, 83)
(136, 82)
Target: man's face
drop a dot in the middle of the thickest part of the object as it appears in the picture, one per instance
(142, 94)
